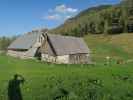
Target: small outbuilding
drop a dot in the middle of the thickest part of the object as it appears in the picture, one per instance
(26, 46)
(64, 49)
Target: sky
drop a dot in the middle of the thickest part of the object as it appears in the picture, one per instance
(21, 16)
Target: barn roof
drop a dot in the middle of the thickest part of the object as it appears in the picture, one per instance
(64, 45)
(25, 42)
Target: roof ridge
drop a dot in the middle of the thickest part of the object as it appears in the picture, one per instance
(64, 36)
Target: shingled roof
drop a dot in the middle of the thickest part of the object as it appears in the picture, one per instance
(25, 42)
(65, 45)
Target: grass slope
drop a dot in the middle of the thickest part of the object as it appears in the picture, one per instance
(115, 46)
(82, 82)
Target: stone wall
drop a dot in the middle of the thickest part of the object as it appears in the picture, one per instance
(17, 54)
(48, 58)
(79, 59)
(56, 59)
(62, 59)
(29, 54)
(67, 59)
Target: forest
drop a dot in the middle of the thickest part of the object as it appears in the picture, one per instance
(104, 19)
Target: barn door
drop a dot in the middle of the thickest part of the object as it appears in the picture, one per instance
(38, 54)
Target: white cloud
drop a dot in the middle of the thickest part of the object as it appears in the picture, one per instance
(60, 13)
(67, 17)
(56, 17)
(52, 17)
(64, 9)
(71, 10)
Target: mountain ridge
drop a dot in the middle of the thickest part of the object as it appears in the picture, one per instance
(107, 19)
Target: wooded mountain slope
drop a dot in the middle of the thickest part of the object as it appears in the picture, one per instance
(104, 19)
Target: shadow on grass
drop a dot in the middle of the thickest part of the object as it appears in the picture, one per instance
(14, 90)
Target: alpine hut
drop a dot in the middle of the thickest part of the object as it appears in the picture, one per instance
(64, 49)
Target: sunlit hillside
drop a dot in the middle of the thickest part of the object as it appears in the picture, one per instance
(116, 46)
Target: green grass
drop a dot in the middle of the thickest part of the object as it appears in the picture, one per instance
(115, 46)
(82, 82)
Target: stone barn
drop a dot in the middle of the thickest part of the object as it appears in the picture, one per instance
(27, 46)
(64, 49)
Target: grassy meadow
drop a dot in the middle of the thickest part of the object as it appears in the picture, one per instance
(80, 82)
(76, 82)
